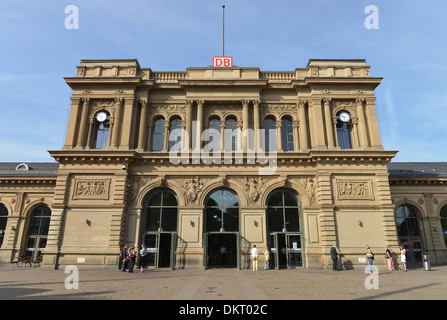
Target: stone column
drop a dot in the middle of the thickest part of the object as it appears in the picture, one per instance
(189, 122)
(304, 141)
(244, 123)
(70, 138)
(278, 135)
(91, 128)
(116, 126)
(362, 124)
(142, 133)
(83, 124)
(256, 124)
(199, 125)
(127, 125)
(296, 136)
(328, 123)
(316, 125)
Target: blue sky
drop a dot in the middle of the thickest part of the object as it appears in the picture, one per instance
(409, 50)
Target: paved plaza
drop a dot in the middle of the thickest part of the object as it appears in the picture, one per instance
(17, 283)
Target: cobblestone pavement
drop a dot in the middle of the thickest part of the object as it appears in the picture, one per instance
(28, 283)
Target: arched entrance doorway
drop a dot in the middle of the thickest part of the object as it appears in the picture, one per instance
(39, 224)
(408, 232)
(284, 230)
(159, 227)
(221, 230)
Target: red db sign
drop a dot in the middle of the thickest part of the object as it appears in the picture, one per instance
(222, 61)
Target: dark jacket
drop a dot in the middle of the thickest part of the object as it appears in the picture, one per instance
(333, 253)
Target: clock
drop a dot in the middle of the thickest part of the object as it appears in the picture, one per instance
(344, 116)
(101, 117)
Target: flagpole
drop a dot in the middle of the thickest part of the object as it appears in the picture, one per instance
(223, 31)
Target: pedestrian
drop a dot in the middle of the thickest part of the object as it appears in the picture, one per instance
(334, 257)
(254, 256)
(403, 257)
(123, 258)
(389, 256)
(131, 256)
(370, 257)
(266, 258)
(143, 254)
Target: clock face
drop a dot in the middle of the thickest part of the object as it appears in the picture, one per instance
(344, 116)
(101, 117)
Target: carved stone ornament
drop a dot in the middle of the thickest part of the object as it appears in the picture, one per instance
(192, 188)
(253, 187)
(360, 189)
(309, 183)
(91, 189)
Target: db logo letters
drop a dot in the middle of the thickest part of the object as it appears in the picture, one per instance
(222, 61)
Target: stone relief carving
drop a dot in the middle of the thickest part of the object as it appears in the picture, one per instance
(354, 189)
(253, 187)
(310, 184)
(91, 189)
(192, 188)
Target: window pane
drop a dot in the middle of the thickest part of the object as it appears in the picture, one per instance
(230, 134)
(169, 219)
(275, 219)
(286, 134)
(270, 141)
(213, 219)
(158, 135)
(292, 219)
(153, 219)
(229, 199)
(290, 199)
(155, 198)
(231, 219)
(275, 200)
(176, 124)
(169, 199)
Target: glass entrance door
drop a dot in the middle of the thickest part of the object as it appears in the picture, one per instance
(286, 250)
(221, 250)
(160, 249)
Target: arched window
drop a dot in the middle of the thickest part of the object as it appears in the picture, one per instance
(102, 128)
(3, 222)
(283, 211)
(408, 232)
(222, 211)
(286, 134)
(231, 136)
(38, 231)
(270, 141)
(161, 208)
(444, 222)
(344, 127)
(158, 135)
(175, 132)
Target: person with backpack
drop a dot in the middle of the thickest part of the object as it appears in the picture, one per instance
(370, 257)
